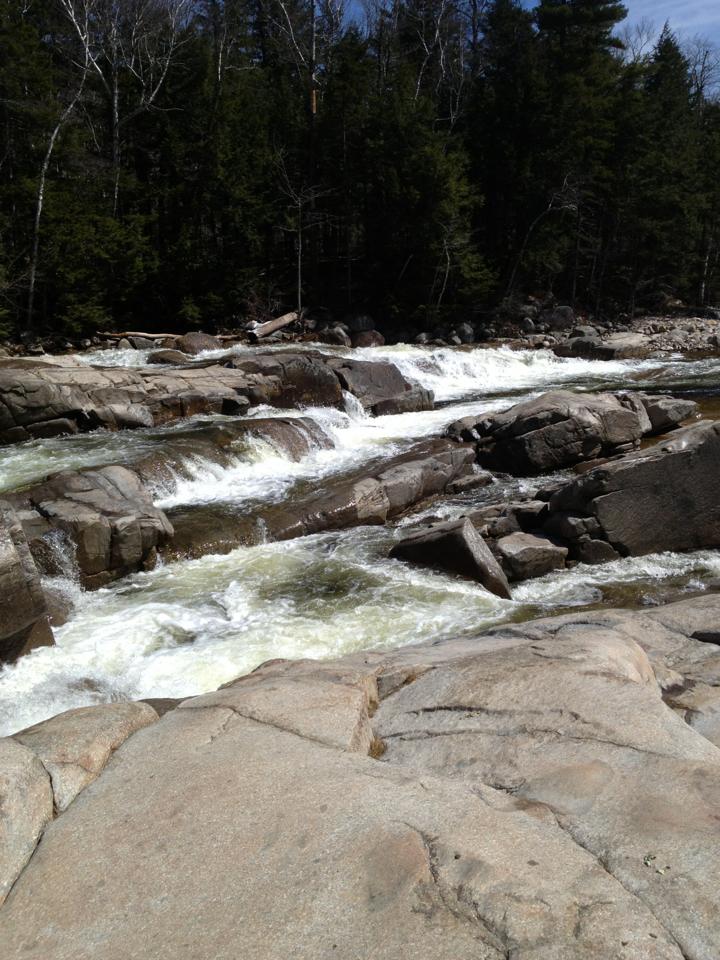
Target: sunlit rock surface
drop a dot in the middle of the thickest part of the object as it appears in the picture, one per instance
(529, 793)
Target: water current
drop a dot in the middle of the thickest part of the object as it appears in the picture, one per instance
(189, 626)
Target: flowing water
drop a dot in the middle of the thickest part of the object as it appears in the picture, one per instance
(189, 626)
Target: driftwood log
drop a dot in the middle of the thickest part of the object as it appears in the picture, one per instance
(261, 330)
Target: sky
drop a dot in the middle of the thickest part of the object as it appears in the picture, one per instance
(687, 17)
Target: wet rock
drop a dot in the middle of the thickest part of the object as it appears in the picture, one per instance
(380, 387)
(85, 398)
(555, 430)
(527, 555)
(75, 746)
(26, 807)
(335, 336)
(656, 499)
(594, 551)
(196, 342)
(617, 346)
(167, 357)
(455, 546)
(368, 338)
(106, 514)
(287, 379)
(23, 611)
(472, 481)
(370, 496)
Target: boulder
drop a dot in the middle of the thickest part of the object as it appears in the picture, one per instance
(291, 379)
(335, 336)
(26, 807)
(167, 358)
(666, 413)
(660, 498)
(558, 318)
(368, 338)
(380, 387)
(107, 516)
(526, 555)
(197, 342)
(23, 611)
(455, 546)
(618, 346)
(555, 430)
(75, 746)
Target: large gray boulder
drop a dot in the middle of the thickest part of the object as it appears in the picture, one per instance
(661, 498)
(197, 342)
(380, 387)
(555, 430)
(455, 546)
(523, 793)
(526, 555)
(105, 515)
(23, 611)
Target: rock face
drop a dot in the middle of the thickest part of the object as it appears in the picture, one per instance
(52, 400)
(524, 793)
(23, 612)
(75, 746)
(106, 515)
(455, 546)
(561, 428)
(661, 498)
(26, 807)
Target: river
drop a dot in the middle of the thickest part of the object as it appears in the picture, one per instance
(189, 626)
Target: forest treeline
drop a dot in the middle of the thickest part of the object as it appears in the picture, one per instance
(195, 162)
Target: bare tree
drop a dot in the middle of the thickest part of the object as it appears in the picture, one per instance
(84, 67)
(132, 39)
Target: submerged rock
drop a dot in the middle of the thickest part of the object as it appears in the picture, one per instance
(455, 546)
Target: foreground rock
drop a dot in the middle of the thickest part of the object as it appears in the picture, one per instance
(561, 428)
(75, 746)
(23, 612)
(525, 793)
(455, 546)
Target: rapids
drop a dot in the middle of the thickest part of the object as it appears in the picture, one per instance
(189, 626)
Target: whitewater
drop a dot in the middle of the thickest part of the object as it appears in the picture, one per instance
(189, 626)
